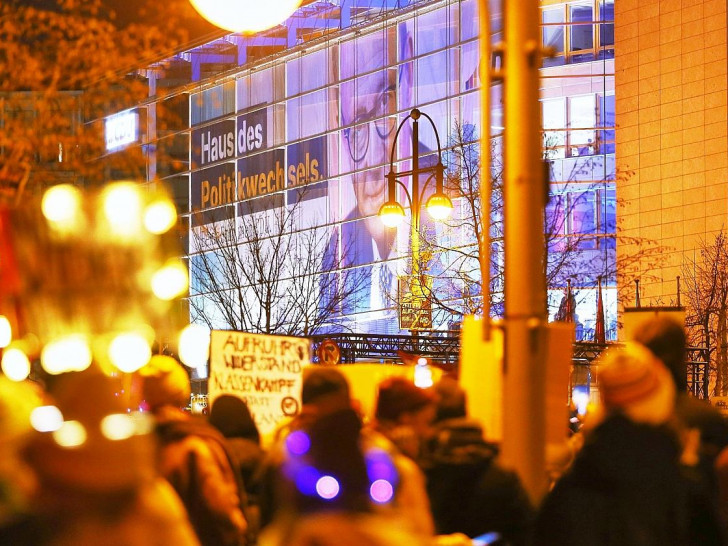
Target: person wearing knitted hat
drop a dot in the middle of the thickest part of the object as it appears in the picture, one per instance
(193, 457)
(625, 485)
(95, 468)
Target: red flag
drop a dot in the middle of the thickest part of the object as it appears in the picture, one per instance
(600, 334)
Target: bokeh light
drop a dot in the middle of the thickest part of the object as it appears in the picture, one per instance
(160, 216)
(118, 426)
(194, 345)
(381, 491)
(298, 442)
(129, 351)
(15, 364)
(67, 354)
(170, 281)
(327, 487)
(6, 332)
(248, 16)
(71, 434)
(46, 418)
(123, 209)
(61, 205)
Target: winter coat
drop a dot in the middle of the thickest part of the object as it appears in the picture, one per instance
(469, 491)
(152, 515)
(194, 460)
(625, 488)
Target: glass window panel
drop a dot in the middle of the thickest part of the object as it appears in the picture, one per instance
(436, 77)
(293, 77)
(554, 122)
(435, 30)
(470, 57)
(582, 28)
(368, 52)
(582, 120)
(552, 33)
(606, 29)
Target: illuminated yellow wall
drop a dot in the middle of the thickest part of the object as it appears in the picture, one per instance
(672, 137)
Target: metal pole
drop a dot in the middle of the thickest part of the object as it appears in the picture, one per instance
(525, 287)
(415, 235)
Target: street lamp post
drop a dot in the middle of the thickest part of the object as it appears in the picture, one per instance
(438, 205)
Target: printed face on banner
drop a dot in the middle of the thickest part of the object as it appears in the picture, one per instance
(264, 371)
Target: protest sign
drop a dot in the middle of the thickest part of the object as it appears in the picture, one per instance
(263, 370)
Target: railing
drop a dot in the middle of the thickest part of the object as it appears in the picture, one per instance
(444, 350)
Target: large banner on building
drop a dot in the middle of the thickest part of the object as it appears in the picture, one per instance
(213, 187)
(263, 370)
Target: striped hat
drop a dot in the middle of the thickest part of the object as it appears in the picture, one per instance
(631, 377)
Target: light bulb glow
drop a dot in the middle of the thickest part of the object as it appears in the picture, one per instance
(247, 16)
(61, 205)
(194, 345)
(170, 281)
(129, 352)
(70, 434)
(46, 418)
(381, 491)
(391, 214)
(439, 206)
(159, 217)
(6, 332)
(327, 487)
(121, 426)
(123, 209)
(15, 364)
(67, 354)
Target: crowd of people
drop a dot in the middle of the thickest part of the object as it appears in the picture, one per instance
(650, 466)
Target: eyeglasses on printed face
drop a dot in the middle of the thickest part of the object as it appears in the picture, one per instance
(357, 136)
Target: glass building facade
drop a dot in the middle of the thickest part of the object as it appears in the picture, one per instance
(303, 118)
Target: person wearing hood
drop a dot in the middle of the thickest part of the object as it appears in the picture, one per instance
(625, 486)
(469, 491)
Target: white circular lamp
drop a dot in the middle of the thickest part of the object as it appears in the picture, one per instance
(248, 16)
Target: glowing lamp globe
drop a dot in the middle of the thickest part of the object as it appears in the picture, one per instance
(248, 16)
(439, 206)
(391, 214)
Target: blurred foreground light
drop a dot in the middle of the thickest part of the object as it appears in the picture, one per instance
(71, 434)
(6, 332)
(46, 418)
(121, 426)
(298, 442)
(170, 281)
(160, 216)
(123, 209)
(67, 354)
(248, 16)
(381, 491)
(327, 487)
(61, 205)
(15, 364)
(423, 376)
(194, 345)
(129, 352)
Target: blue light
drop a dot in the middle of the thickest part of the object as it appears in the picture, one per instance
(327, 487)
(306, 479)
(298, 443)
(380, 466)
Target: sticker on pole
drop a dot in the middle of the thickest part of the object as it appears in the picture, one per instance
(263, 370)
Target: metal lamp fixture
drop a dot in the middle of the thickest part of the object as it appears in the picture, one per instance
(438, 205)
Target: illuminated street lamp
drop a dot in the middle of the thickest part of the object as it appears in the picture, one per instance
(438, 205)
(246, 16)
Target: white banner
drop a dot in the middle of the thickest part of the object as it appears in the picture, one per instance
(263, 370)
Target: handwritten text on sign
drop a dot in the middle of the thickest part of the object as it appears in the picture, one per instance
(263, 370)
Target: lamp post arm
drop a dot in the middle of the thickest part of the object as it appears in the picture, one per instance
(437, 137)
(394, 143)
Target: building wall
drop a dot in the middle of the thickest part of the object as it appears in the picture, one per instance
(312, 98)
(672, 138)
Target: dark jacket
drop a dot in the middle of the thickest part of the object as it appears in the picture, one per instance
(469, 491)
(625, 488)
(194, 460)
